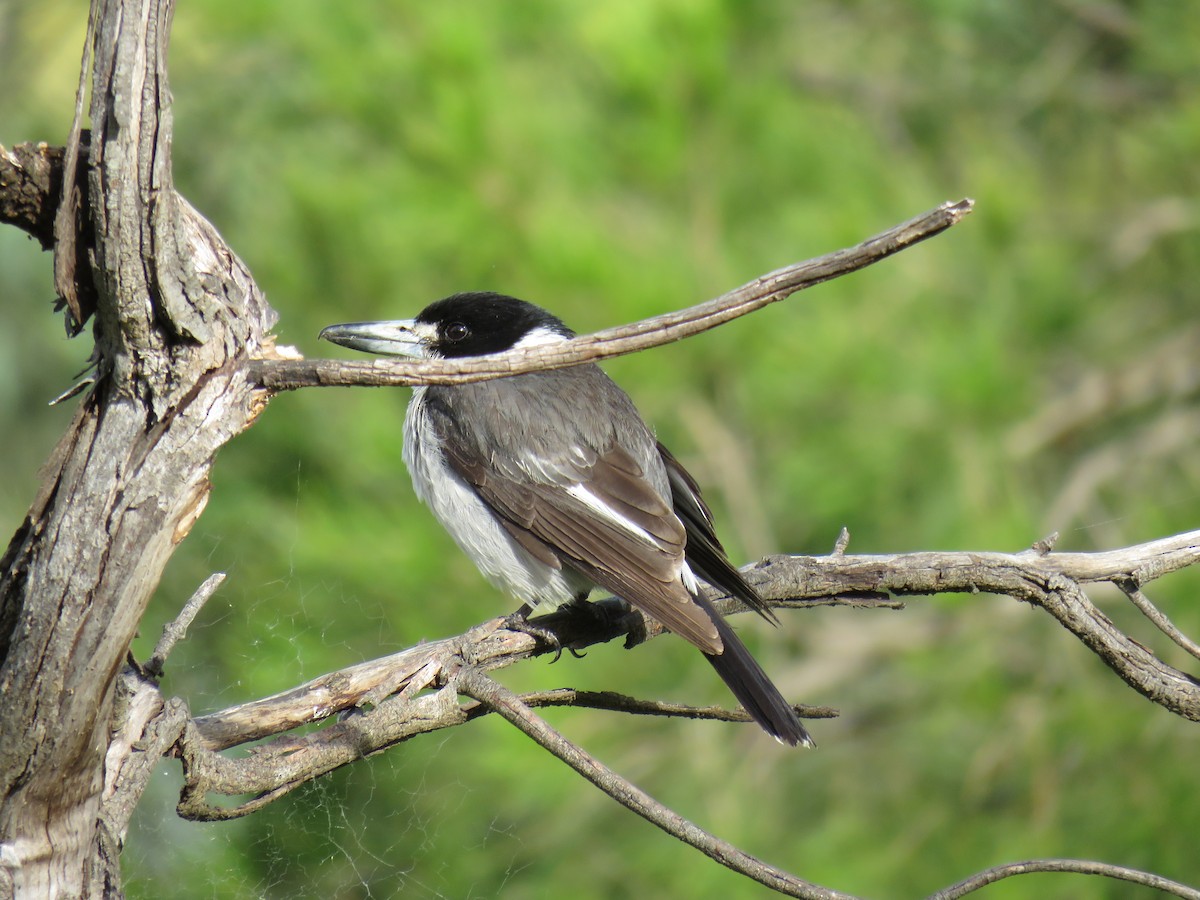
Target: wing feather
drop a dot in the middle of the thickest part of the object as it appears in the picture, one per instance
(610, 524)
(704, 551)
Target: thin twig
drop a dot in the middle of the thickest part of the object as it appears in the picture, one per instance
(612, 701)
(475, 684)
(174, 631)
(290, 374)
(1158, 617)
(1072, 866)
(842, 542)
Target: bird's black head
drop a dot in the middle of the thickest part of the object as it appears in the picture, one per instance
(481, 322)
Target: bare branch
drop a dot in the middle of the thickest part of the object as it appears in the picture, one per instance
(1159, 618)
(1048, 579)
(1140, 563)
(611, 701)
(1073, 866)
(175, 630)
(475, 684)
(30, 182)
(488, 646)
(289, 374)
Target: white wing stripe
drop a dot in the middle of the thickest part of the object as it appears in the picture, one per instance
(689, 580)
(581, 493)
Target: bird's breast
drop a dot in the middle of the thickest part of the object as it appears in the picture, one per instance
(473, 525)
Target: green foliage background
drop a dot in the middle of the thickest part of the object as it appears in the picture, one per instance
(1033, 370)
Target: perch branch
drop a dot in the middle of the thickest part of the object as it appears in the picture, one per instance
(489, 646)
(290, 374)
(1047, 579)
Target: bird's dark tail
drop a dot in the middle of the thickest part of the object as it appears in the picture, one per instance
(753, 689)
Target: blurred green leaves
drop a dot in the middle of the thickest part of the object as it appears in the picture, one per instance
(616, 160)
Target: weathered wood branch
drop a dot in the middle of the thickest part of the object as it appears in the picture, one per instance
(30, 188)
(1050, 580)
(456, 667)
(290, 374)
(393, 689)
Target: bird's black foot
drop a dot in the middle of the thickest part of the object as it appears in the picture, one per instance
(615, 614)
(519, 621)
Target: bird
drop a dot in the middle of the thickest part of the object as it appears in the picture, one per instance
(553, 485)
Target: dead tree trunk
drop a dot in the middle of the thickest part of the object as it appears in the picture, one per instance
(176, 314)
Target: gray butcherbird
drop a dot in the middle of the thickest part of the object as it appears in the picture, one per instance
(552, 484)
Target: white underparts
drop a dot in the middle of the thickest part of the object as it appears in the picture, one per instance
(501, 560)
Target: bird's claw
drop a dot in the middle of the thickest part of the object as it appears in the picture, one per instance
(519, 621)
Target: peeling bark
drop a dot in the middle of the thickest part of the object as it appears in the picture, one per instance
(176, 316)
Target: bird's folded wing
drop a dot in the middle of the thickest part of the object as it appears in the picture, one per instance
(705, 554)
(609, 523)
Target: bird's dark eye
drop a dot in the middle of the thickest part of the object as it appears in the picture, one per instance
(456, 331)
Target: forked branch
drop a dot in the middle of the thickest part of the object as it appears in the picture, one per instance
(398, 685)
(428, 686)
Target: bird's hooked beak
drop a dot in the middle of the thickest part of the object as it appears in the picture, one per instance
(399, 337)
